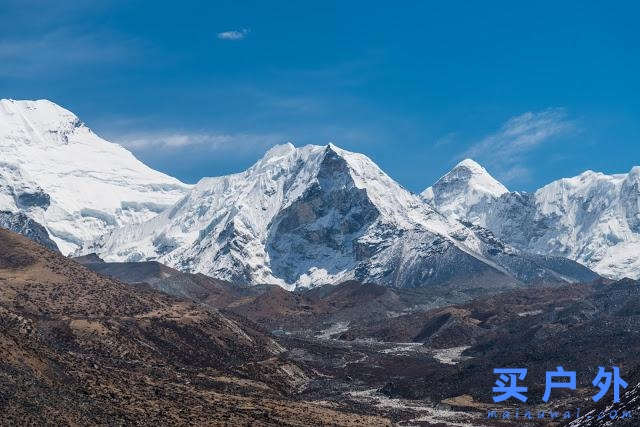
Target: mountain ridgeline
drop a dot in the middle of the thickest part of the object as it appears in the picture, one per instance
(305, 217)
(592, 218)
(309, 216)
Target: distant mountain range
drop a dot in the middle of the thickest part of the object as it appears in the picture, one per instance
(592, 218)
(309, 216)
(316, 215)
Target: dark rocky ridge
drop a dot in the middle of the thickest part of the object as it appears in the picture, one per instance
(20, 223)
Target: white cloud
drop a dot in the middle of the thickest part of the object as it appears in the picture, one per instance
(233, 34)
(515, 173)
(505, 151)
(210, 141)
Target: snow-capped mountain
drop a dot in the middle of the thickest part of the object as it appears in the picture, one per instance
(319, 214)
(298, 217)
(466, 192)
(57, 173)
(592, 218)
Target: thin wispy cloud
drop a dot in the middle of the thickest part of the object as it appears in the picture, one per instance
(233, 34)
(506, 151)
(446, 139)
(208, 141)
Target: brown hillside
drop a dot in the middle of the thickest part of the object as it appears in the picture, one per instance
(77, 348)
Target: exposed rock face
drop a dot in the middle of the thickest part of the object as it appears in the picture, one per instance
(323, 225)
(630, 199)
(38, 199)
(24, 225)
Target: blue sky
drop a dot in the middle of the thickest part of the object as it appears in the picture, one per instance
(534, 92)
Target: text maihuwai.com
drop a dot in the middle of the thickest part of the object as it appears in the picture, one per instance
(509, 386)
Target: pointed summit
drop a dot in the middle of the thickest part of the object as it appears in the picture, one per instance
(468, 175)
(469, 164)
(465, 187)
(477, 177)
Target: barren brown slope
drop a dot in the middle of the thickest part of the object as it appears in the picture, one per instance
(78, 348)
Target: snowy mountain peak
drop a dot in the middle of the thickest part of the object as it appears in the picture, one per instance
(302, 167)
(471, 165)
(593, 218)
(464, 192)
(477, 176)
(634, 173)
(37, 122)
(93, 185)
(278, 151)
